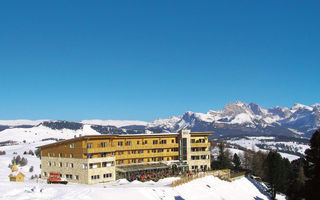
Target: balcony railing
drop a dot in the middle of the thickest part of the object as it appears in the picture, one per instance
(133, 147)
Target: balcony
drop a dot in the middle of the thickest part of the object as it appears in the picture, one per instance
(200, 144)
(132, 147)
(146, 155)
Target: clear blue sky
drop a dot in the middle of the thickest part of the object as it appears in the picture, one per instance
(142, 60)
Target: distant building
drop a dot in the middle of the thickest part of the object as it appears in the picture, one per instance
(103, 158)
(16, 176)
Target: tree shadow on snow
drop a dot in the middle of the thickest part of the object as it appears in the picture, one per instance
(178, 198)
(260, 187)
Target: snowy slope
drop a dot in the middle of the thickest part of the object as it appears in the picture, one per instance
(20, 122)
(205, 188)
(39, 133)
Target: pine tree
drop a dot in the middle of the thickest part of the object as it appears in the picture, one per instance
(297, 180)
(223, 161)
(312, 168)
(276, 173)
(236, 162)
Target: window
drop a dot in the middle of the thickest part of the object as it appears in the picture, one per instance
(94, 177)
(60, 164)
(103, 144)
(69, 176)
(160, 159)
(154, 151)
(163, 142)
(128, 143)
(85, 166)
(120, 161)
(154, 159)
(120, 153)
(138, 142)
(72, 145)
(71, 165)
(71, 155)
(119, 144)
(44, 173)
(172, 141)
(109, 175)
(106, 164)
(49, 164)
(133, 160)
(155, 141)
(146, 142)
(133, 152)
(49, 154)
(60, 155)
(193, 140)
(140, 151)
(77, 177)
(140, 160)
(89, 145)
(160, 150)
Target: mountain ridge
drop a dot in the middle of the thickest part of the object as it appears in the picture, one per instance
(236, 118)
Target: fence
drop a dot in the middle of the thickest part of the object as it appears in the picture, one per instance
(222, 174)
(236, 176)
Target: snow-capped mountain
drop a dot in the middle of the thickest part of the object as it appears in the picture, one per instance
(233, 120)
(247, 119)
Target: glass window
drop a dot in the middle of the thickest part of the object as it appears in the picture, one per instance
(89, 145)
(103, 144)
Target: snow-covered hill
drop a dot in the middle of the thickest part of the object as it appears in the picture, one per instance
(205, 188)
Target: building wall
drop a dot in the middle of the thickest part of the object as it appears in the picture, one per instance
(75, 167)
(122, 150)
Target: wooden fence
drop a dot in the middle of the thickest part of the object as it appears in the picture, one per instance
(223, 174)
(236, 176)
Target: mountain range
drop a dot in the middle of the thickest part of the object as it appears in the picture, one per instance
(234, 119)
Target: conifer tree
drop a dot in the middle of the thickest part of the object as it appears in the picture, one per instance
(312, 168)
(236, 162)
(276, 173)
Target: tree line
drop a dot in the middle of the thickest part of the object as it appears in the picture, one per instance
(298, 179)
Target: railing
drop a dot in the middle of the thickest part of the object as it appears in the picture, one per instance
(223, 174)
(200, 144)
(148, 155)
(235, 176)
(133, 147)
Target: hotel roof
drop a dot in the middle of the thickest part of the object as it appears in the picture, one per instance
(113, 136)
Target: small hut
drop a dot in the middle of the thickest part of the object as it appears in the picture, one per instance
(16, 176)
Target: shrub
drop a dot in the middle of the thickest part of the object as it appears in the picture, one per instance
(23, 162)
(30, 152)
(2, 153)
(38, 153)
(31, 169)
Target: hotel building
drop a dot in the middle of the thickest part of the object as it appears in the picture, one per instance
(102, 158)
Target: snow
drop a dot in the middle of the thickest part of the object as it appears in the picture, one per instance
(116, 123)
(39, 133)
(242, 118)
(252, 142)
(19, 122)
(205, 188)
(298, 106)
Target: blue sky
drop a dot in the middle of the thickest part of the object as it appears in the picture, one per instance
(142, 60)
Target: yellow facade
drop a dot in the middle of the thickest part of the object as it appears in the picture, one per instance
(131, 149)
